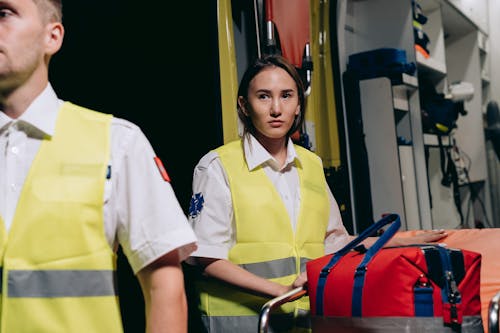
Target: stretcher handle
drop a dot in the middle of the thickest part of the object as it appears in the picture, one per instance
(290, 296)
(493, 314)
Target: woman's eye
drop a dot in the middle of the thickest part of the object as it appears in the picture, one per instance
(5, 12)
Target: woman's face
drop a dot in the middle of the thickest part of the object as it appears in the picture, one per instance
(273, 102)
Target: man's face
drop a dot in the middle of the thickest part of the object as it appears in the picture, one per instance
(23, 41)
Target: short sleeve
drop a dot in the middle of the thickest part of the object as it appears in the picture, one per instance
(143, 206)
(211, 211)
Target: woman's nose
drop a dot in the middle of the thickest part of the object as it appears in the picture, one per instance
(275, 108)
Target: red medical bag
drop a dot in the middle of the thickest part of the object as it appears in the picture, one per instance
(428, 286)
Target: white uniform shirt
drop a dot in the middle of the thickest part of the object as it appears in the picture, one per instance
(141, 212)
(211, 209)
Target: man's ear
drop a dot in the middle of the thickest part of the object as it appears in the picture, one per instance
(54, 37)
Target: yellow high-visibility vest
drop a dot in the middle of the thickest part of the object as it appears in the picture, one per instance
(266, 244)
(58, 268)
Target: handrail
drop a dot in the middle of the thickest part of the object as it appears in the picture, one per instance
(290, 296)
(493, 314)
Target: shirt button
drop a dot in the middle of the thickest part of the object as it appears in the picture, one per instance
(13, 187)
(15, 150)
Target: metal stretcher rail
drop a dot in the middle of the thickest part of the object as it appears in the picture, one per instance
(294, 294)
(493, 314)
(265, 312)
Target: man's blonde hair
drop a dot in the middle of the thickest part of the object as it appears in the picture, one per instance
(50, 9)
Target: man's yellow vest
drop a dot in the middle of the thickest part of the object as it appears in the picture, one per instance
(58, 269)
(266, 244)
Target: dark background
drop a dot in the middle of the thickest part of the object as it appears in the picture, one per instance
(155, 64)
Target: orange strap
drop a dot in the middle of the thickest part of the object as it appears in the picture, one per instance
(291, 18)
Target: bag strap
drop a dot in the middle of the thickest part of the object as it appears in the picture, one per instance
(384, 238)
(450, 174)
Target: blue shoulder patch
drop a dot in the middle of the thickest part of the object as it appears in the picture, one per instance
(196, 205)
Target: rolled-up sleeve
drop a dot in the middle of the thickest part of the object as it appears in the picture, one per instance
(336, 234)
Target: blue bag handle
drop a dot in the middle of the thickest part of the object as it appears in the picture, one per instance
(359, 274)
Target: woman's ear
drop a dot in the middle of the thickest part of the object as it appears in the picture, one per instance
(242, 104)
(297, 110)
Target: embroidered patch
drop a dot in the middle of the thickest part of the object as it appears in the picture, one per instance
(162, 169)
(196, 205)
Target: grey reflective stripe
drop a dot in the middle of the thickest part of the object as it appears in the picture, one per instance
(61, 283)
(272, 269)
(470, 324)
(303, 262)
(217, 324)
(275, 268)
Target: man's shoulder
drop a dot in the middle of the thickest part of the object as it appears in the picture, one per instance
(83, 111)
(119, 123)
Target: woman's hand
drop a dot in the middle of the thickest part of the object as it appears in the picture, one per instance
(420, 237)
(300, 281)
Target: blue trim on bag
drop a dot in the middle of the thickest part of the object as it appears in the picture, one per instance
(361, 269)
(424, 303)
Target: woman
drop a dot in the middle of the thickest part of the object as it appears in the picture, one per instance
(261, 207)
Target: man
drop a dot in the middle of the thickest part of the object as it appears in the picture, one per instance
(74, 185)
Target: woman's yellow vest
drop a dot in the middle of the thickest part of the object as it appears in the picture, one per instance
(266, 244)
(58, 269)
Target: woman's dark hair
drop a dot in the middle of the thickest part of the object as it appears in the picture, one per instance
(255, 68)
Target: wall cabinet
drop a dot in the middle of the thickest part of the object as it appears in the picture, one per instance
(411, 183)
(462, 29)
(391, 164)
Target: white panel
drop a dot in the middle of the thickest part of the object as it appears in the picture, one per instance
(409, 187)
(380, 138)
(444, 212)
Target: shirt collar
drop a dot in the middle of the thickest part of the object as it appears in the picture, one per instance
(41, 114)
(256, 154)
(4, 120)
